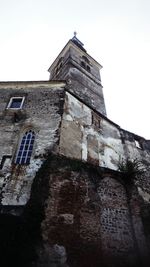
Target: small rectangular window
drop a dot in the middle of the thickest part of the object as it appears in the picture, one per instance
(16, 102)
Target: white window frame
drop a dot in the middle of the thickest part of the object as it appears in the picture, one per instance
(15, 97)
(25, 148)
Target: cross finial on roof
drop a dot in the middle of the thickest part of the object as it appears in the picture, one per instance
(75, 33)
(77, 41)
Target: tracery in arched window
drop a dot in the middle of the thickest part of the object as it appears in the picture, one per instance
(25, 149)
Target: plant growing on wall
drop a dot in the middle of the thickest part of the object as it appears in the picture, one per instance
(131, 170)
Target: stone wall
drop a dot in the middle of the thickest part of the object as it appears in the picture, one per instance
(79, 208)
(88, 218)
(122, 230)
(41, 112)
(84, 84)
(89, 136)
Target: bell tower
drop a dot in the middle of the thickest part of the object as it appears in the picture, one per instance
(76, 65)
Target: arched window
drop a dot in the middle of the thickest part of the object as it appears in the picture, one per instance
(25, 149)
(83, 64)
(86, 59)
(88, 68)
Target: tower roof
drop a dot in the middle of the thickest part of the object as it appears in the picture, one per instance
(77, 42)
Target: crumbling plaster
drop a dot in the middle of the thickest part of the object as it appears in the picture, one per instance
(79, 138)
(89, 209)
(42, 111)
(105, 145)
(109, 146)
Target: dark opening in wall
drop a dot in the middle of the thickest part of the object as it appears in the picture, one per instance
(3, 160)
(86, 59)
(88, 68)
(15, 243)
(83, 64)
(58, 66)
(96, 121)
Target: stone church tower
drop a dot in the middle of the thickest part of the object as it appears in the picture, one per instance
(74, 185)
(75, 65)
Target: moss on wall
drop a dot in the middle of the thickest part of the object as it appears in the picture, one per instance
(64, 210)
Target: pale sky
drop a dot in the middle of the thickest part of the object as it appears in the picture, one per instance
(115, 32)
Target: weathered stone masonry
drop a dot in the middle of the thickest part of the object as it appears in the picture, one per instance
(69, 206)
(41, 112)
(87, 214)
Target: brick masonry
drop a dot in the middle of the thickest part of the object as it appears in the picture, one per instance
(89, 212)
(70, 207)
